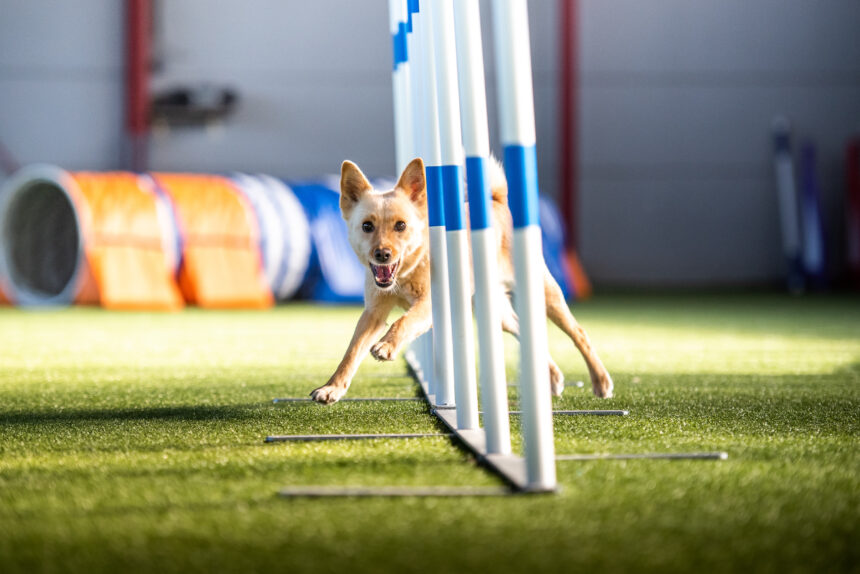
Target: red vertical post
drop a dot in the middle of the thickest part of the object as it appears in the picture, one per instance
(569, 104)
(138, 23)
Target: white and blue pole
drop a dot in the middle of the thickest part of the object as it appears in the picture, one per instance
(424, 344)
(440, 295)
(517, 124)
(403, 138)
(403, 92)
(465, 388)
(476, 143)
(415, 59)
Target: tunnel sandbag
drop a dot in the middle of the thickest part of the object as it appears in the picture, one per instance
(334, 275)
(83, 237)
(221, 263)
(284, 238)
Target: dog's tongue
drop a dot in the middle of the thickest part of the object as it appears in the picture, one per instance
(383, 273)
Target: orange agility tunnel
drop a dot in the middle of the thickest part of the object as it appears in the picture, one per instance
(222, 266)
(150, 241)
(97, 238)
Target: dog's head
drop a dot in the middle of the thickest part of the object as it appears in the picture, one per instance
(386, 228)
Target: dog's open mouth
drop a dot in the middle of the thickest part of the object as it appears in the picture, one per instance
(384, 274)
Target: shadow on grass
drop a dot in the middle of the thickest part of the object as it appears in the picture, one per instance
(149, 508)
(171, 413)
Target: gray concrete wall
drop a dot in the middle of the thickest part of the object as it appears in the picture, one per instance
(676, 103)
(61, 81)
(314, 79)
(316, 85)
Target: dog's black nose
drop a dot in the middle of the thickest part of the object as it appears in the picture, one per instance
(382, 255)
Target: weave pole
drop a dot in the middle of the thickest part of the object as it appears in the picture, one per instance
(415, 55)
(441, 371)
(476, 143)
(451, 146)
(423, 346)
(400, 76)
(517, 125)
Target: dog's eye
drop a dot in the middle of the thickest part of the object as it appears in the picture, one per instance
(367, 226)
(400, 226)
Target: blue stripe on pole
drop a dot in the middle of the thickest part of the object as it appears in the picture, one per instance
(412, 9)
(521, 171)
(402, 30)
(480, 202)
(435, 201)
(401, 54)
(452, 190)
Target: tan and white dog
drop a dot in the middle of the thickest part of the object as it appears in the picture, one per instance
(389, 232)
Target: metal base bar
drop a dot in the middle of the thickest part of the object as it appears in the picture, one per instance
(577, 384)
(322, 437)
(511, 468)
(355, 400)
(596, 412)
(390, 491)
(652, 455)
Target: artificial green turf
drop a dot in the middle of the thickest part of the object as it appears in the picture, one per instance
(133, 442)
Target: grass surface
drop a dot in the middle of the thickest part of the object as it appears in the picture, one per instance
(133, 442)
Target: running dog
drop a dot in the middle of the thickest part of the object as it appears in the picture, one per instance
(389, 232)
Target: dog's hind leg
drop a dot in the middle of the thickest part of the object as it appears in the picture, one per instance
(511, 324)
(559, 313)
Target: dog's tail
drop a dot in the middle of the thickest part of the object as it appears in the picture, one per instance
(498, 182)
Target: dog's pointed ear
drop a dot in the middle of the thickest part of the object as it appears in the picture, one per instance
(353, 184)
(413, 182)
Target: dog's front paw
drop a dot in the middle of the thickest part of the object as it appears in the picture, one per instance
(556, 380)
(383, 351)
(328, 394)
(602, 385)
